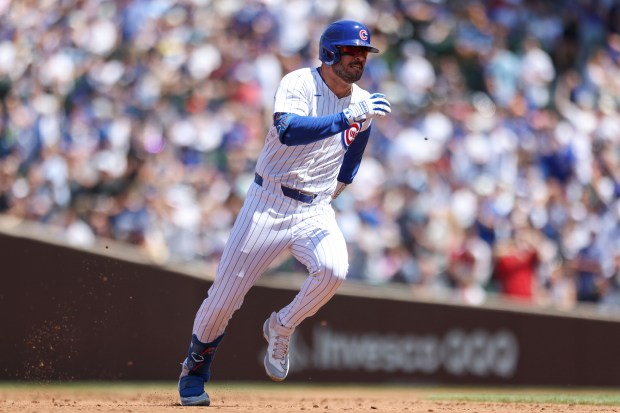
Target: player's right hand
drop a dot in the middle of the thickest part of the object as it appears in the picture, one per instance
(374, 105)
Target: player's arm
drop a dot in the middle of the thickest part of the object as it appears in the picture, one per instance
(351, 162)
(296, 129)
(353, 157)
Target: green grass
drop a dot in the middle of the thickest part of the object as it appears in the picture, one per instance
(581, 397)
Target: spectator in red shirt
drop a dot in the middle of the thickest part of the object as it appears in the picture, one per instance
(515, 265)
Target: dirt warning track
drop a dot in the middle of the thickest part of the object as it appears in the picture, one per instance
(257, 398)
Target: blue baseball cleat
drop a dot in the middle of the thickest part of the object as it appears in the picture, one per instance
(192, 391)
(196, 371)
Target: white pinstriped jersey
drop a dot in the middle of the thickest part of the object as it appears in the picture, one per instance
(313, 167)
(270, 222)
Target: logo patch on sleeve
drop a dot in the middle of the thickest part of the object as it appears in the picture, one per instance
(280, 121)
(348, 136)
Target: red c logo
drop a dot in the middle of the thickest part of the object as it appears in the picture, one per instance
(351, 133)
(363, 34)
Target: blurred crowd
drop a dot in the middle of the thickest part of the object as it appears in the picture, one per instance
(498, 171)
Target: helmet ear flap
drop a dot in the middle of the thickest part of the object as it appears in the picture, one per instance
(330, 57)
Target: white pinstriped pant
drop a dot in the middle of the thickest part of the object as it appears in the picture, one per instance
(268, 224)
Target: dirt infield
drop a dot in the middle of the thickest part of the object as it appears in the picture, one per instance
(280, 398)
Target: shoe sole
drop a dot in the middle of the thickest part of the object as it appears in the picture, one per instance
(265, 330)
(202, 400)
(273, 378)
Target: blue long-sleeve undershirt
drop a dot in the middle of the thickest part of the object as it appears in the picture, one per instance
(353, 157)
(296, 130)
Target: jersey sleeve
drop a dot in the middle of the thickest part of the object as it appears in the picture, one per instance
(292, 95)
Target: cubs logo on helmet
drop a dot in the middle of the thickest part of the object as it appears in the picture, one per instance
(364, 35)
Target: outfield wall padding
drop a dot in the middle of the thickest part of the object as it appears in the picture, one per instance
(68, 314)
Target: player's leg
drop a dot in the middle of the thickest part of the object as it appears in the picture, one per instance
(320, 246)
(258, 236)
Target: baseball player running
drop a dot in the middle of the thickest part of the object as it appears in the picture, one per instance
(321, 125)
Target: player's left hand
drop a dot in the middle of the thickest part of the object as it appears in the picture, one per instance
(374, 105)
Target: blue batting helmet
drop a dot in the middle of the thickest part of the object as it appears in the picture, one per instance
(343, 33)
